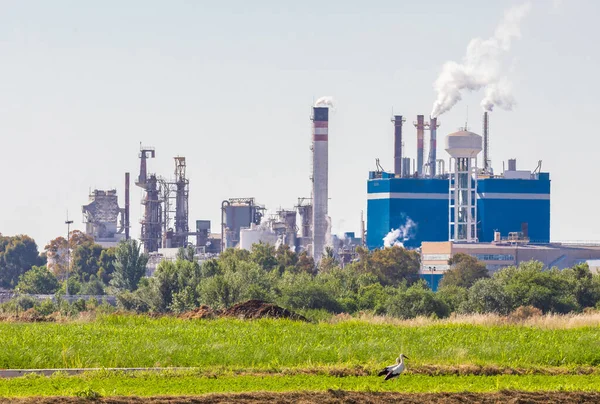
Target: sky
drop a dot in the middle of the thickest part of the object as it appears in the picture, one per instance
(229, 85)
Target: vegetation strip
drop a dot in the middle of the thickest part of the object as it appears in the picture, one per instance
(138, 341)
(429, 370)
(172, 383)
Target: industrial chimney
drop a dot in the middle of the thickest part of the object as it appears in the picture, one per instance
(420, 125)
(433, 125)
(398, 120)
(486, 140)
(126, 219)
(320, 195)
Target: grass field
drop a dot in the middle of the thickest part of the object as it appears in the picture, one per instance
(138, 341)
(186, 383)
(255, 357)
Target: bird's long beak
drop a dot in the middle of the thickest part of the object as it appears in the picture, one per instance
(406, 357)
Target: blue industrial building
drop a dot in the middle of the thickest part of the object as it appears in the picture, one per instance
(504, 204)
(393, 202)
(514, 205)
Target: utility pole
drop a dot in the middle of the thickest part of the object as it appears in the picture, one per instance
(68, 223)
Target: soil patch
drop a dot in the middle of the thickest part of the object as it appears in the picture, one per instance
(199, 313)
(337, 396)
(259, 309)
(252, 309)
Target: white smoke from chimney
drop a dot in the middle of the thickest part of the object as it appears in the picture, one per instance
(481, 67)
(398, 236)
(326, 101)
(498, 94)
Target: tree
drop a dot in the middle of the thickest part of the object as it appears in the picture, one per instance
(93, 286)
(130, 265)
(264, 255)
(107, 265)
(186, 253)
(305, 264)
(487, 296)
(85, 260)
(18, 254)
(465, 271)
(38, 280)
(328, 261)
(57, 252)
(393, 265)
(176, 284)
(286, 258)
(418, 300)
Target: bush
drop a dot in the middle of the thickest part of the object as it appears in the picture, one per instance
(46, 307)
(453, 297)
(417, 301)
(525, 312)
(131, 301)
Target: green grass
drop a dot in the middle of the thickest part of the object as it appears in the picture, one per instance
(144, 384)
(138, 341)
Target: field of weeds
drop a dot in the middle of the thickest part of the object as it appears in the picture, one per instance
(140, 341)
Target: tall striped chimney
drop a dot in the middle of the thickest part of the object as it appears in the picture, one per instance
(320, 195)
(420, 125)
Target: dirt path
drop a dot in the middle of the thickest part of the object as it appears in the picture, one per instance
(336, 396)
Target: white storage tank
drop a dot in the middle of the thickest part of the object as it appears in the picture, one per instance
(256, 234)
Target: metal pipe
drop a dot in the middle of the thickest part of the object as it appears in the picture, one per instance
(420, 125)
(398, 120)
(433, 125)
(223, 239)
(126, 206)
(485, 142)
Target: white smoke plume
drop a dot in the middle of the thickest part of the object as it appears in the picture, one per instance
(481, 67)
(398, 236)
(326, 101)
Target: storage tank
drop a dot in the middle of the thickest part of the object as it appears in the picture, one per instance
(463, 147)
(256, 234)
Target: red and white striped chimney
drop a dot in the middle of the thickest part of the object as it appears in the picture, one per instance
(320, 191)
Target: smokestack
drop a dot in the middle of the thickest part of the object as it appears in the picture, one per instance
(126, 206)
(485, 142)
(433, 125)
(420, 125)
(320, 196)
(398, 120)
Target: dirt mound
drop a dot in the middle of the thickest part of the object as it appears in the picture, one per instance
(259, 309)
(201, 312)
(336, 396)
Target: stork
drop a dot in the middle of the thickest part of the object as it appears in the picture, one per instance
(393, 371)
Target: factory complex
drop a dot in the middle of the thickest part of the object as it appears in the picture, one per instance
(440, 206)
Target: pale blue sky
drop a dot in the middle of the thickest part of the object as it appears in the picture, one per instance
(229, 85)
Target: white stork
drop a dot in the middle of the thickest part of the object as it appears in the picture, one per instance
(394, 370)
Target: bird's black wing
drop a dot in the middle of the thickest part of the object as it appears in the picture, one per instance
(391, 375)
(383, 372)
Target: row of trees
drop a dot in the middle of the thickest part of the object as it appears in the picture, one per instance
(383, 282)
(92, 271)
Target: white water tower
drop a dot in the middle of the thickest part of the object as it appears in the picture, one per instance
(463, 148)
